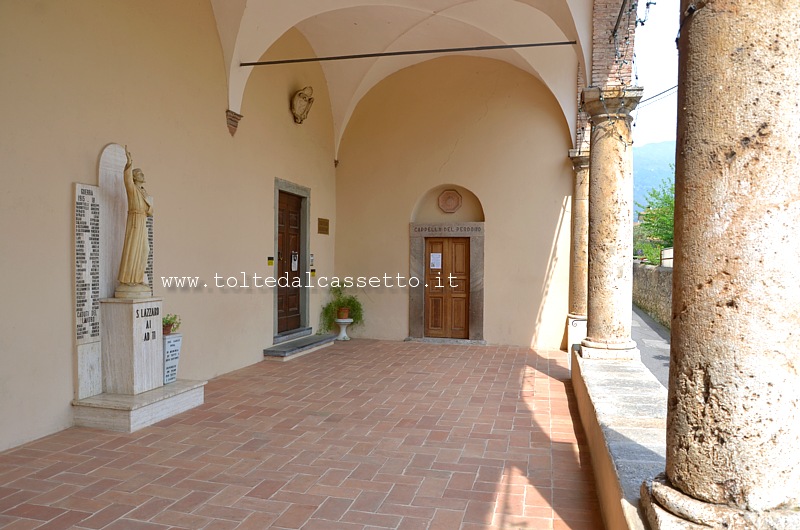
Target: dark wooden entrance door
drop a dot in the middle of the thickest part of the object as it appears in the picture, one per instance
(447, 287)
(289, 244)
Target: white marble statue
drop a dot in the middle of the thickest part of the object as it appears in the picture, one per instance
(136, 248)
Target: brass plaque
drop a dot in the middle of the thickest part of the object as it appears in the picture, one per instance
(323, 226)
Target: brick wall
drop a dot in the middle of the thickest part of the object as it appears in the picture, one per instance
(583, 129)
(612, 59)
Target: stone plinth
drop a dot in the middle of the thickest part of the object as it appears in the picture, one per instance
(128, 413)
(132, 349)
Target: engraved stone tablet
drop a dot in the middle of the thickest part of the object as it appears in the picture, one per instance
(87, 264)
(148, 271)
(172, 352)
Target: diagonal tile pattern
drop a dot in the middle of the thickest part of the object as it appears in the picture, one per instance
(364, 434)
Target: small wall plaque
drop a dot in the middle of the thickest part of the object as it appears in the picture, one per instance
(323, 226)
(449, 201)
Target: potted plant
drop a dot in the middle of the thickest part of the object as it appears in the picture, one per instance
(170, 323)
(335, 307)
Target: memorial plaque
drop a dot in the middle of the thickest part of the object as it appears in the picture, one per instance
(87, 263)
(172, 352)
(148, 271)
(323, 226)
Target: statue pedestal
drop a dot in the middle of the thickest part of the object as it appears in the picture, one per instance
(132, 351)
(343, 323)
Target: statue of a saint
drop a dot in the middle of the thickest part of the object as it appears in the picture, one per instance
(301, 104)
(135, 249)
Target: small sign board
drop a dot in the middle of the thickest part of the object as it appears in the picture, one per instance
(323, 226)
(172, 353)
(436, 260)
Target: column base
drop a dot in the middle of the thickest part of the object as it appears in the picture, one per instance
(618, 351)
(668, 509)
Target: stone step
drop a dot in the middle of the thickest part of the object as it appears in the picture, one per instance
(297, 348)
(129, 413)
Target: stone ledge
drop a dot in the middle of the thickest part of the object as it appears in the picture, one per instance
(623, 410)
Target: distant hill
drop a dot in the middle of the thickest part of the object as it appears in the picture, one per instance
(651, 165)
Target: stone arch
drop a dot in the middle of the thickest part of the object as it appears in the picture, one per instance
(427, 209)
(248, 28)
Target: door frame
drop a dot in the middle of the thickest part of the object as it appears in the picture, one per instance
(305, 245)
(416, 301)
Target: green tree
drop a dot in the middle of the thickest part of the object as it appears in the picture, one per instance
(656, 227)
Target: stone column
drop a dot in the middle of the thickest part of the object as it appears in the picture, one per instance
(579, 266)
(733, 423)
(610, 280)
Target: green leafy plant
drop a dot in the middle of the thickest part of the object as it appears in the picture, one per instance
(171, 322)
(339, 300)
(656, 227)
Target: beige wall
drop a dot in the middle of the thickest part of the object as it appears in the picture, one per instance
(79, 75)
(492, 129)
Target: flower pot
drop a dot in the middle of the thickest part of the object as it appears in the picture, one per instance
(344, 312)
(166, 329)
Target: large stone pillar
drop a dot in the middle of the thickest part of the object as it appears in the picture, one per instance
(733, 423)
(610, 280)
(579, 265)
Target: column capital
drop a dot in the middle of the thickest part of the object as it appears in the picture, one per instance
(580, 159)
(611, 103)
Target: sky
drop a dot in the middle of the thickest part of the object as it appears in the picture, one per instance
(656, 66)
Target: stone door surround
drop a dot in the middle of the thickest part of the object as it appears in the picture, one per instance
(416, 306)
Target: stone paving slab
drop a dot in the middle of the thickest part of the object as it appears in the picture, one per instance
(364, 434)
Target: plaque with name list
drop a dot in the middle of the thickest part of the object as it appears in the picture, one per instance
(148, 271)
(87, 263)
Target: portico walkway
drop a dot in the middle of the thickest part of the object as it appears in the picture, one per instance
(365, 434)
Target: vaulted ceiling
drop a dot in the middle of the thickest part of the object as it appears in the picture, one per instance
(247, 29)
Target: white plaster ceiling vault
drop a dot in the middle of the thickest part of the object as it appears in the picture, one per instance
(247, 29)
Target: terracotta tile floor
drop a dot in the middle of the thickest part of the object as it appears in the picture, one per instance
(365, 434)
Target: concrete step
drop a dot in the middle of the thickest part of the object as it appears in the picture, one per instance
(297, 348)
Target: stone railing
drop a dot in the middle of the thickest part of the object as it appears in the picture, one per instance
(652, 291)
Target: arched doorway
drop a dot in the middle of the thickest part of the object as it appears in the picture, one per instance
(446, 254)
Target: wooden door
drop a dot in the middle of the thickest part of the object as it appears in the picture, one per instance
(289, 243)
(447, 287)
